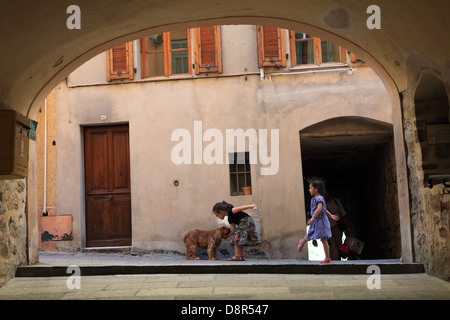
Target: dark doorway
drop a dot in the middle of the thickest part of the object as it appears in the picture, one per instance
(356, 158)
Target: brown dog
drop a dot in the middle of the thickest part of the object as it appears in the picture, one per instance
(209, 240)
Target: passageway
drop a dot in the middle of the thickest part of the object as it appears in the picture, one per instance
(356, 158)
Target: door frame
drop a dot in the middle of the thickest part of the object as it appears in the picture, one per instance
(83, 182)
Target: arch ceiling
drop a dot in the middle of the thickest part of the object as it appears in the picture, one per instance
(344, 135)
(39, 51)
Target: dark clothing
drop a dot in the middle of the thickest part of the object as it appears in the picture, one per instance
(236, 217)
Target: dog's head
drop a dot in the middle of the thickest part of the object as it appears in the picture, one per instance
(223, 232)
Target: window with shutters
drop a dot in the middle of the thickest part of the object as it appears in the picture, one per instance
(271, 47)
(310, 50)
(120, 62)
(165, 54)
(207, 50)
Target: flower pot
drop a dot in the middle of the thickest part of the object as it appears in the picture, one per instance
(247, 190)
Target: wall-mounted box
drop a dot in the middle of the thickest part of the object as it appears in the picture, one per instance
(14, 140)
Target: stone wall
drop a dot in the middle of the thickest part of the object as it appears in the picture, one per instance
(438, 231)
(430, 208)
(385, 225)
(13, 227)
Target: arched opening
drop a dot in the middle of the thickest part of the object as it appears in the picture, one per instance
(57, 51)
(430, 183)
(432, 113)
(390, 86)
(356, 158)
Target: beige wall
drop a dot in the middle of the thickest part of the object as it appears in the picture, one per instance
(51, 152)
(161, 212)
(46, 197)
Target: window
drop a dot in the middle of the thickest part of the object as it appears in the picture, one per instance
(165, 54)
(240, 176)
(179, 52)
(310, 50)
(120, 62)
(303, 48)
(271, 47)
(207, 50)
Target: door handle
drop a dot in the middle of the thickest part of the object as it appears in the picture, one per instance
(110, 197)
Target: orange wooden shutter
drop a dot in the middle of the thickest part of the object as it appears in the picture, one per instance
(271, 47)
(120, 62)
(354, 58)
(208, 50)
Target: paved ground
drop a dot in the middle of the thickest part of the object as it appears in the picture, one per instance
(228, 287)
(223, 287)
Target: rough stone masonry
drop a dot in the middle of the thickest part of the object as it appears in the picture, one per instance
(13, 227)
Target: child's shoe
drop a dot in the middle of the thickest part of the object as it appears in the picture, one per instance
(301, 244)
(325, 261)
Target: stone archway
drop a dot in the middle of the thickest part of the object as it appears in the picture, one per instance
(355, 156)
(42, 51)
(57, 50)
(433, 125)
(387, 80)
(426, 113)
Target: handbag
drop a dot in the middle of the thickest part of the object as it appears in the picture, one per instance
(354, 245)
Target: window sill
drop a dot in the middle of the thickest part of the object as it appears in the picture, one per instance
(164, 78)
(181, 77)
(319, 66)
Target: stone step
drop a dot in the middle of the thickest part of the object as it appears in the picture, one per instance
(227, 267)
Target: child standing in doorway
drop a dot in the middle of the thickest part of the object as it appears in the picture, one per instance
(319, 225)
(242, 226)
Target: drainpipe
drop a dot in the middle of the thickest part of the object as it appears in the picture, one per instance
(44, 212)
(300, 73)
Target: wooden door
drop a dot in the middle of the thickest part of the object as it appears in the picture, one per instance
(107, 186)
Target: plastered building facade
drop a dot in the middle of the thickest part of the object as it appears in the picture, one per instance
(330, 119)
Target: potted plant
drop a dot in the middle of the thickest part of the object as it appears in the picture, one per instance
(247, 190)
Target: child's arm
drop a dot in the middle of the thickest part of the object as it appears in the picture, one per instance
(232, 229)
(240, 208)
(316, 213)
(332, 216)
